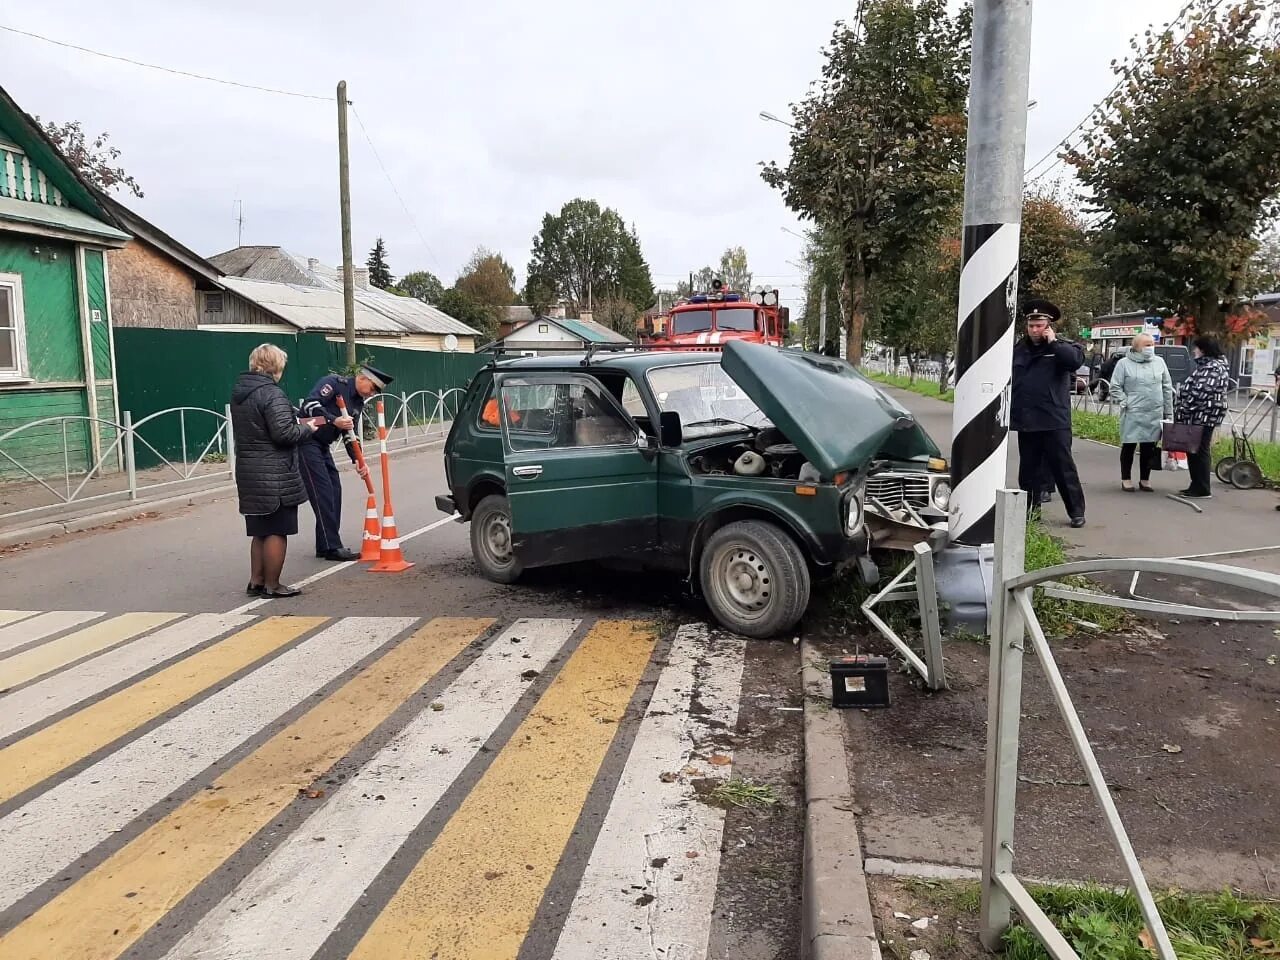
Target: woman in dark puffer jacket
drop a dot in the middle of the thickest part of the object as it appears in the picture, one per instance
(267, 434)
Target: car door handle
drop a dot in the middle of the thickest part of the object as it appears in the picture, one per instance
(527, 472)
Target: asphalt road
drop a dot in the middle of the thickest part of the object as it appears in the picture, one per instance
(392, 765)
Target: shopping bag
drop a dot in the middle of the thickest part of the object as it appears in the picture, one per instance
(1181, 437)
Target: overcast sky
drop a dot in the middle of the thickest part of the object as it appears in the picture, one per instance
(487, 114)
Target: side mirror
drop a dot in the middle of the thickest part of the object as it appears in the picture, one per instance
(669, 428)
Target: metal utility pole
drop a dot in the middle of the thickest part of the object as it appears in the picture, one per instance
(344, 202)
(822, 320)
(989, 275)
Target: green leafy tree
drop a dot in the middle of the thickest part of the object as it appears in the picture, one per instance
(1057, 258)
(585, 253)
(463, 307)
(379, 273)
(1183, 162)
(877, 149)
(617, 313)
(421, 285)
(489, 281)
(734, 270)
(93, 159)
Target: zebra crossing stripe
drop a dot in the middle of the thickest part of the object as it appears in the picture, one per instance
(50, 831)
(477, 889)
(12, 616)
(110, 908)
(652, 821)
(29, 630)
(38, 701)
(285, 900)
(988, 291)
(39, 756)
(29, 664)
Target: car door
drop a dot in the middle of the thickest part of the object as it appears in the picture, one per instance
(581, 482)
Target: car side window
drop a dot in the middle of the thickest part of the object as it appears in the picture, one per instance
(576, 413)
(632, 402)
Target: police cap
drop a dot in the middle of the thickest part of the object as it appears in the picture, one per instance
(1041, 310)
(379, 379)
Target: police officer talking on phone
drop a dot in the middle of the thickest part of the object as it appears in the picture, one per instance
(319, 472)
(1040, 409)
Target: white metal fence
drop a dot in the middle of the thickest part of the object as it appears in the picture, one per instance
(1013, 621)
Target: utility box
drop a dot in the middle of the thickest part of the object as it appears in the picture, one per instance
(859, 681)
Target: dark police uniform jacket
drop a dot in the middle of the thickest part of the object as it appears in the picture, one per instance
(1042, 375)
(322, 401)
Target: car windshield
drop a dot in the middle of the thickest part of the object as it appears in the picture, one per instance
(691, 321)
(736, 318)
(706, 398)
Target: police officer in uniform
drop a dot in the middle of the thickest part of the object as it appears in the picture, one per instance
(319, 472)
(1040, 411)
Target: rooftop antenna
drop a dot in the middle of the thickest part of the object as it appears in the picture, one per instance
(240, 224)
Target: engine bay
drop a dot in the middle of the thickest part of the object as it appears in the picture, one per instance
(768, 454)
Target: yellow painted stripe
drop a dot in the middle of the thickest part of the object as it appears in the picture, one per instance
(474, 893)
(13, 616)
(74, 737)
(106, 911)
(94, 639)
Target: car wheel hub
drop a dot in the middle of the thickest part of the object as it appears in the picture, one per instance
(498, 538)
(746, 580)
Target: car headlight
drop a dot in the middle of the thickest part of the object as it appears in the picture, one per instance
(941, 495)
(853, 517)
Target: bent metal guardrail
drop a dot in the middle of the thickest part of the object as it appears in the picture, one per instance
(70, 485)
(1013, 620)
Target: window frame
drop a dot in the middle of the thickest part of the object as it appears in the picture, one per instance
(21, 372)
(558, 379)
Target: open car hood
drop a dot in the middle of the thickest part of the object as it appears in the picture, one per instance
(833, 414)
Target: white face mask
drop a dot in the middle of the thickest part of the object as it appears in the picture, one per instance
(1149, 351)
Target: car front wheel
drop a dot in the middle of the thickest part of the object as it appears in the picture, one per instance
(754, 578)
(491, 543)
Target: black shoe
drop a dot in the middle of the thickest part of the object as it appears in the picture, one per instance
(281, 592)
(1077, 522)
(342, 553)
(1194, 495)
(255, 589)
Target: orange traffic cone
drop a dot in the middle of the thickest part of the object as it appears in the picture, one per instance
(391, 560)
(371, 545)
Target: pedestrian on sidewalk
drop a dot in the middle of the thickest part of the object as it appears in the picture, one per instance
(1202, 401)
(267, 437)
(1143, 388)
(319, 472)
(1040, 408)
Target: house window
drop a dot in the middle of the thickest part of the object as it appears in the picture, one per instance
(544, 328)
(13, 352)
(213, 303)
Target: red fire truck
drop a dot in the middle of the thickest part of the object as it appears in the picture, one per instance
(706, 320)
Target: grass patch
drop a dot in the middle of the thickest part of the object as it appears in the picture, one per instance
(1055, 616)
(1268, 455)
(743, 793)
(926, 388)
(1102, 924)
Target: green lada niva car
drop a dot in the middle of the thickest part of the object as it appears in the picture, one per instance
(751, 471)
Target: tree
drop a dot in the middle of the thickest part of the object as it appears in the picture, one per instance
(734, 270)
(619, 314)
(462, 307)
(1057, 260)
(379, 272)
(877, 149)
(488, 280)
(93, 159)
(1183, 162)
(421, 285)
(586, 253)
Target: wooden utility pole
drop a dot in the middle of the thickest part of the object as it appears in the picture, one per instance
(344, 200)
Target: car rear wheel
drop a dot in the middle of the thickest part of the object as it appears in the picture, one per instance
(491, 543)
(754, 578)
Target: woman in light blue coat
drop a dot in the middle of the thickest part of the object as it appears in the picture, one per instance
(1142, 386)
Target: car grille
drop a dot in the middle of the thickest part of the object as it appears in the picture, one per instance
(896, 491)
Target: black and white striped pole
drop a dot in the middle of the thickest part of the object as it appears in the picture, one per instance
(993, 181)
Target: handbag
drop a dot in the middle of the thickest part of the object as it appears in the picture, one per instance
(1181, 437)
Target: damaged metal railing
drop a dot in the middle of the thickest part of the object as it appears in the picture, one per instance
(1013, 620)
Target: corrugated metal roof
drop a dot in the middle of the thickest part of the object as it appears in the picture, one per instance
(592, 332)
(310, 308)
(262, 263)
(60, 218)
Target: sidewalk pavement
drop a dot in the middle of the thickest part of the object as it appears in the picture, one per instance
(1138, 524)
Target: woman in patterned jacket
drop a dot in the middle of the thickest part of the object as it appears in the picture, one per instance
(1203, 401)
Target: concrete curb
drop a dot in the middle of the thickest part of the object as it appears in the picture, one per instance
(48, 529)
(836, 918)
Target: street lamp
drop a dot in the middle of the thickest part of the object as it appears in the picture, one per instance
(794, 234)
(766, 115)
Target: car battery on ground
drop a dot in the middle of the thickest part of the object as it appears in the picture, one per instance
(859, 681)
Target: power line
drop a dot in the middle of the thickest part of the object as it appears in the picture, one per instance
(385, 173)
(1027, 178)
(155, 66)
